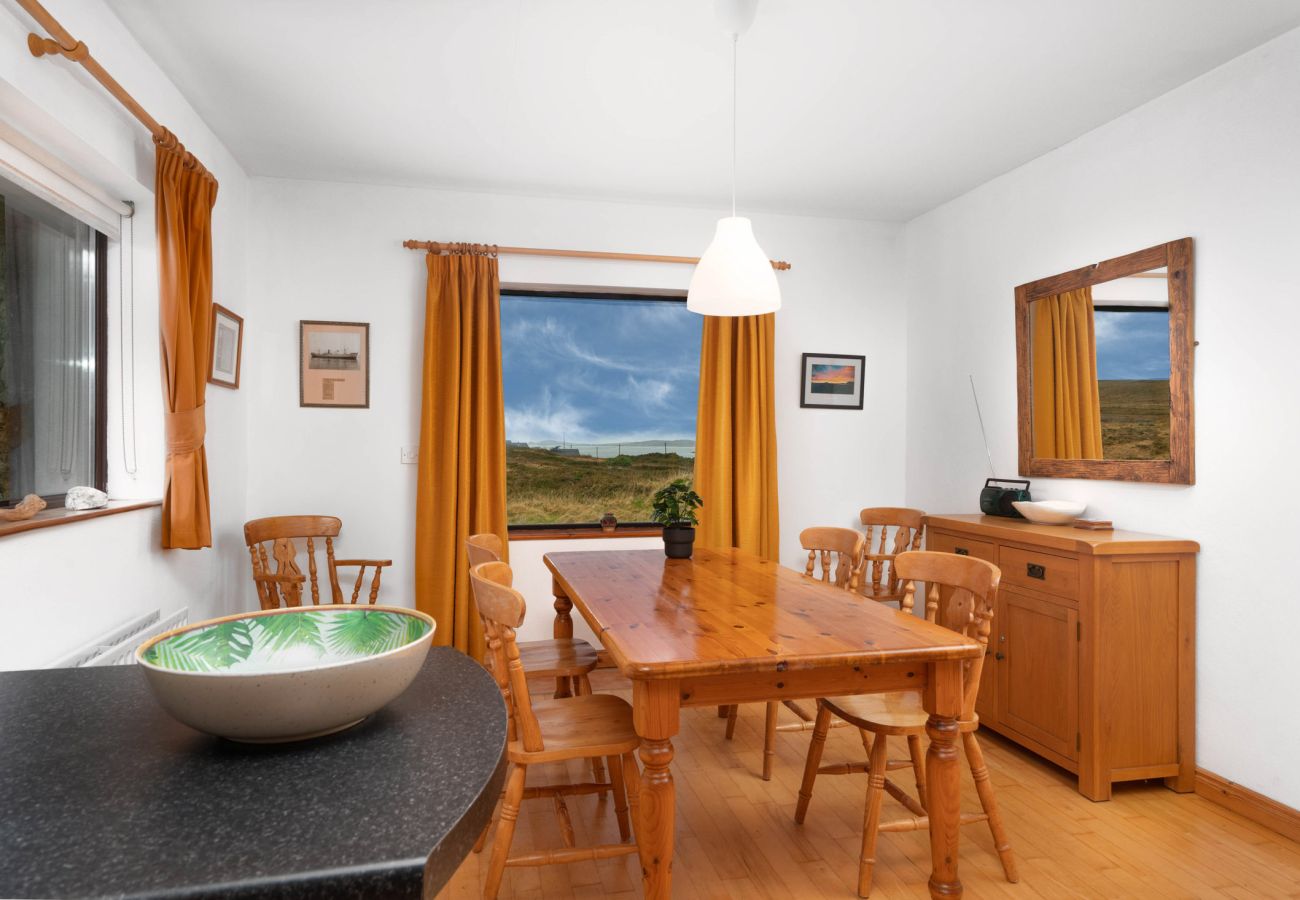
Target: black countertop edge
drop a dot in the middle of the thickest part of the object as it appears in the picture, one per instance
(446, 858)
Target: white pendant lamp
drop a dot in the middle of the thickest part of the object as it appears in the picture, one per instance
(734, 277)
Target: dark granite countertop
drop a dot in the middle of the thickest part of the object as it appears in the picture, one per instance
(102, 794)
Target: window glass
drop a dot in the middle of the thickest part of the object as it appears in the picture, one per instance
(600, 400)
(48, 318)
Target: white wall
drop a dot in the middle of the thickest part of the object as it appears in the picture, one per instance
(94, 575)
(333, 251)
(1217, 159)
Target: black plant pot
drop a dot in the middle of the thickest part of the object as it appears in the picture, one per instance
(679, 540)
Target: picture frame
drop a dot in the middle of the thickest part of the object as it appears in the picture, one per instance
(831, 381)
(227, 351)
(334, 364)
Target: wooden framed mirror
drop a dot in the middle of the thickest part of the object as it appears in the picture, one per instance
(1104, 369)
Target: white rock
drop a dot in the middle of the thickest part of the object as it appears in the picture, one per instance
(85, 498)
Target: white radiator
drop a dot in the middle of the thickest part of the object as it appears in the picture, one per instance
(117, 647)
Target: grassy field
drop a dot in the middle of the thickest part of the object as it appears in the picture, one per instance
(543, 488)
(1134, 419)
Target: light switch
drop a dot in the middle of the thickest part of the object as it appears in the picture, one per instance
(410, 456)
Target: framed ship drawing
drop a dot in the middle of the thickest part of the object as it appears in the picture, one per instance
(334, 364)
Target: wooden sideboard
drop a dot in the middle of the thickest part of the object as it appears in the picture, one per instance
(1092, 659)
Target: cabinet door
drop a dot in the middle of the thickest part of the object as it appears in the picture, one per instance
(986, 703)
(1038, 674)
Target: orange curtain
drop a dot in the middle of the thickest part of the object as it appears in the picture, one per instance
(184, 193)
(1067, 408)
(735, 436)
(462, 476)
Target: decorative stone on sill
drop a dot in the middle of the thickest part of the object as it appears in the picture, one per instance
(85, 498)
(25, 509)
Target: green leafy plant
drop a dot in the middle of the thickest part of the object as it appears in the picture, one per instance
(675, 504)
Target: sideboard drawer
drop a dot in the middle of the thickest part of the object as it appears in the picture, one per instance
(1041, 571)
(942, 542)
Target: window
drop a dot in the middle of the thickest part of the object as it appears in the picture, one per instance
(52, 309)
(1131, 325)
(600, 399)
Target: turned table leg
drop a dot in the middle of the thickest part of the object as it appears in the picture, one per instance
(563, 629)
(655, 708)
(943, 697)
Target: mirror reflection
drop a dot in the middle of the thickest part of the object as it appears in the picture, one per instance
(1099, 359)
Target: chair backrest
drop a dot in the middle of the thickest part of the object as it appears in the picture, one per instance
(483, 548)
(973, 584)
(879, 580)
(280, 532)
(828, 544)
(502, 609)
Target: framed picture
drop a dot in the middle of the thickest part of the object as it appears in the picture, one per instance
(334, 364)
(831, 381)
(227, 347)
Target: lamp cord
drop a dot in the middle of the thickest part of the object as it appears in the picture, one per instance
(735, 43)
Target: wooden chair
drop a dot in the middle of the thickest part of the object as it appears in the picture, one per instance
(974, 586)
(551, 731)
(837, 552)
(567, 660)
(284, 586)
(879, 581)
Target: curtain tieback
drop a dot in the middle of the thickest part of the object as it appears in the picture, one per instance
(185, 430)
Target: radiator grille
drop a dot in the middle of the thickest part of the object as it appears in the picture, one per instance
(117, 647)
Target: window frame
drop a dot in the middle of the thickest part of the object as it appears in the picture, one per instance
(99, 385)
(585, 530)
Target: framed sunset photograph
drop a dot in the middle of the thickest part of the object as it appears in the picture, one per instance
(831, 381)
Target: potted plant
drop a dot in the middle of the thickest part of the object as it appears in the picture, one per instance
(674, 509)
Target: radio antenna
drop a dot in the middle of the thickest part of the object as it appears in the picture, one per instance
(983, 434)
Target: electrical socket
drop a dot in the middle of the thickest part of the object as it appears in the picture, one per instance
(410, 456)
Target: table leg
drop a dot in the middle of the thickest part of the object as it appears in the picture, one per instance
(943, 697)
(655, 710)
(562, 629)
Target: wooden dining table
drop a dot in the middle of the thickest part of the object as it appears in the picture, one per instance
(728, 627)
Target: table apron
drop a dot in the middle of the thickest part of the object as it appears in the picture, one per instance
(804, 684)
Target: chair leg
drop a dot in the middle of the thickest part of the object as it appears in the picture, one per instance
(769, 740)
(871, 821)
(619, 786)
(505, 832)
(821, 728)
(723, 709)
(733, 712)
(582, 688)
(632, 781)
(979, 771)
(918, 767)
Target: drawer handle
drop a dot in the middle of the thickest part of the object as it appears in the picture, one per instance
(961, 551)
(999, 656)
(1034, 570)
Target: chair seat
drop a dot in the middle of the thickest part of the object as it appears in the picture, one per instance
(895, 712)
(557, 658)
(580, 727)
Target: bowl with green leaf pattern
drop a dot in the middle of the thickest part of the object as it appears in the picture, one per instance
(286, 674)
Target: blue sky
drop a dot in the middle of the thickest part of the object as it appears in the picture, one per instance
(1132, 345)
(599, 370)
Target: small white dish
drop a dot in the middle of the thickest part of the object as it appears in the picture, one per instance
(1050, 512)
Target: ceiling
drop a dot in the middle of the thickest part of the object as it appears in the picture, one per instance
(878, 109)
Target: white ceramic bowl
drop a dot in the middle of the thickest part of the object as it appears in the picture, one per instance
(286, 674)
(1050, 512)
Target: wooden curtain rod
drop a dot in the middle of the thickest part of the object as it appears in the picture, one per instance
(65, 44)
(445, 247)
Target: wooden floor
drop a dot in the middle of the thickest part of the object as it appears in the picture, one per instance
(736, 836)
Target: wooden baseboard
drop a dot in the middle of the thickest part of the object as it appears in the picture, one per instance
(1245, 802)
